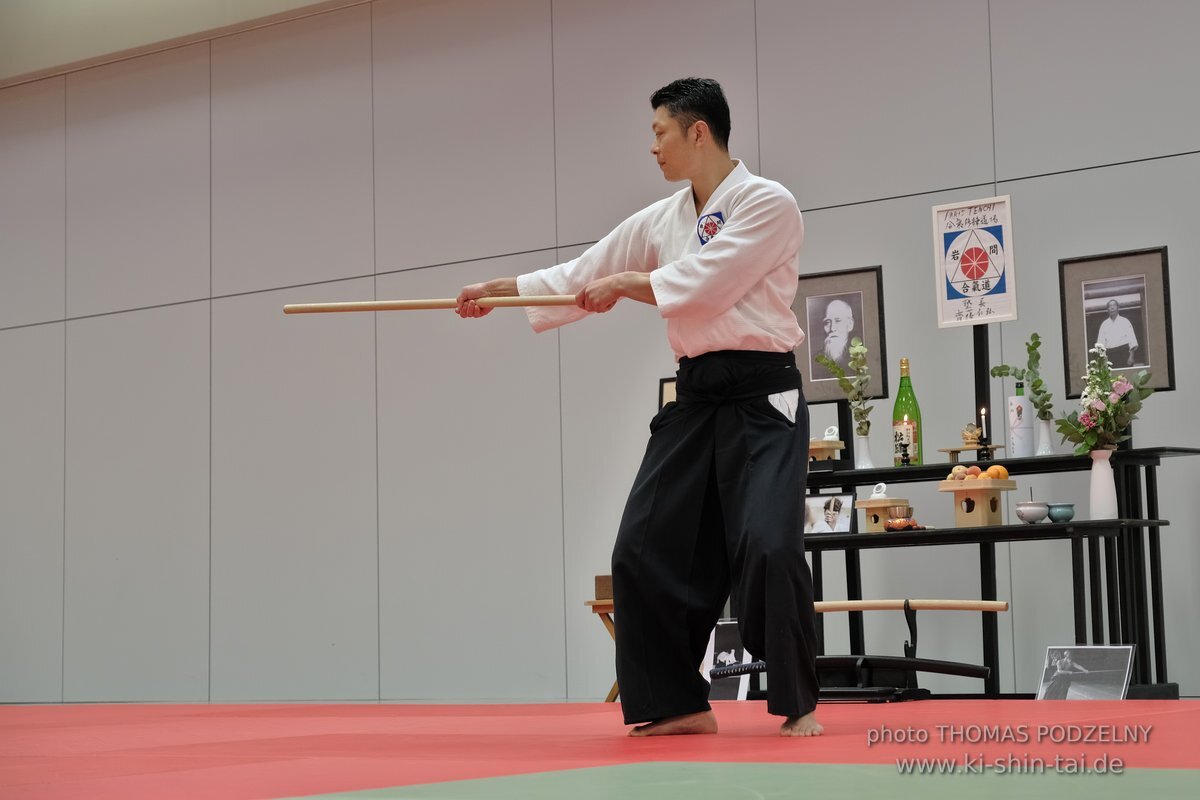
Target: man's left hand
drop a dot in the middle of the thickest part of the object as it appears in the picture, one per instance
(601, 295)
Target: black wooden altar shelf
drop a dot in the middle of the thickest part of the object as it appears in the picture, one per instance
(1078, 533)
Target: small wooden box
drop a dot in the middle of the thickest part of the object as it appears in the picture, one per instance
(977, 502)
(825, 449)
(604, 587)
(875, 511)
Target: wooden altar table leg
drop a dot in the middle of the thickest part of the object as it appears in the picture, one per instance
(1078, 603)
(858, 644)
(1112, 590)
(991, 630)
(818, 578)
(1156, 585)
(1097, 605)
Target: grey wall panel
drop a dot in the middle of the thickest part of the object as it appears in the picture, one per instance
(608, 59)
(32, 203)
(293, 505)
(136, 621)
(31, 514)
(1081, 83)
(1143, 205)
(612, 364)
(867, 99)
(464, 130)
(291, 171)
(471, 548)
(137, 182)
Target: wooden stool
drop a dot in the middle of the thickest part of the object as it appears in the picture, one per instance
(604, 610)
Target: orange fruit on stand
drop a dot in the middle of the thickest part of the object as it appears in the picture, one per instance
(997, 472)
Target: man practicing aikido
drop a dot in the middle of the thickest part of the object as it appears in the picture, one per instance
(717, 505)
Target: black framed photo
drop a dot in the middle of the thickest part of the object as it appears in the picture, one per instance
(833, 308)
(666, 392)
(829, 513)
(1123, 301)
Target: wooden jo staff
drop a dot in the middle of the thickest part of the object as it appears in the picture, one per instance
(417, 305)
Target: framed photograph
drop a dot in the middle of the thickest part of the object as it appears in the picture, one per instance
(725, 649)
(1123, 301)
(833, 308)
(1086, 673)
(666, 392)
(973, 262)
(828, 513)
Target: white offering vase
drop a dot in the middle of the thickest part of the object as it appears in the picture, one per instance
(1102, 491)
(862, 453)
(1045, 437)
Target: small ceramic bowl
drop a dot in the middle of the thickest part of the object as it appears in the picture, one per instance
(1032, 511)
(899, 512)
(1061, 512)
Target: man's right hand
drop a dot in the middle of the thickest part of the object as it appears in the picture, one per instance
(466, 306)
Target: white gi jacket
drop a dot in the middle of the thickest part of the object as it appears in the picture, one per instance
(724, 279)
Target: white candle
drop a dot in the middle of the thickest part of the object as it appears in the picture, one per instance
(983, 423)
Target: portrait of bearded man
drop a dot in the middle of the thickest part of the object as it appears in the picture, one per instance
(837, 316)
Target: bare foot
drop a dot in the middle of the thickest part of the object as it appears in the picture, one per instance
(700, 722)
(802, 726)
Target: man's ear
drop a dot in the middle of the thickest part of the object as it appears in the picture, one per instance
(700, 131)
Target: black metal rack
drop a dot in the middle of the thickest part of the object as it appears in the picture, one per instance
(1129, 586)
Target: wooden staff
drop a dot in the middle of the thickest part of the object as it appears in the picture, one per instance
(825, 606)
(416, 305)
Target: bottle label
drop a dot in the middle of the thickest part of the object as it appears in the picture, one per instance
(905, 433)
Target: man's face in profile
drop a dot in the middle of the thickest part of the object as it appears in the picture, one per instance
(839, 321)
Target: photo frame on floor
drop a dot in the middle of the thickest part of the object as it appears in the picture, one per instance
(725, 649)
(1096, 672)
(833, 308)
(1121, 300)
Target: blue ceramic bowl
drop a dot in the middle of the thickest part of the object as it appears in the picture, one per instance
(1061, 512)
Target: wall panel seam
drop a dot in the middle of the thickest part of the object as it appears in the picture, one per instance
(62, 668)
(210, 374)
(375, 293)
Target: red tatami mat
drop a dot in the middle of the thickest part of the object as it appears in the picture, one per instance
(255, 751)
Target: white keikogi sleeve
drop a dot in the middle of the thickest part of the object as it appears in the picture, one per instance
(627, 249)
(763, 228)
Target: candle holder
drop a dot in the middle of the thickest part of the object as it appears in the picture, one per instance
(985, 450)
(905, 460)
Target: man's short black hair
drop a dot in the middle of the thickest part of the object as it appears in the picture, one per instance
(692, 99)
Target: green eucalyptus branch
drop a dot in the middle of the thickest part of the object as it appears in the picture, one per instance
(1041, 399)
(855, 388)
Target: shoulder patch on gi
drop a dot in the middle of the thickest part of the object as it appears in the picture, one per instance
(709, 226)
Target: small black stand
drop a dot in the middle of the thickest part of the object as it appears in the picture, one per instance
(984, 453)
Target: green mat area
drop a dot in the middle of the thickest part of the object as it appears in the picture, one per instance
(708, 781)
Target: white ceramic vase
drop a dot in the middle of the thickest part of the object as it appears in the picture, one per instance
(1045, 438)
(862, 452)
(1102, 490)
